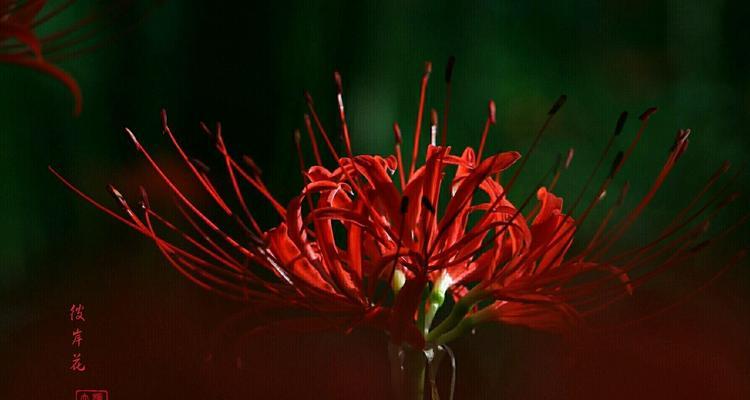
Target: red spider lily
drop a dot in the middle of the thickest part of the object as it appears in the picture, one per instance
(358, 247)
(22, 45)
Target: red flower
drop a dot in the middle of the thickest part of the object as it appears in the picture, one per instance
(358, 247)
(20, 43)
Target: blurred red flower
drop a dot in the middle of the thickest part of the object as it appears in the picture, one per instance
(20, 45)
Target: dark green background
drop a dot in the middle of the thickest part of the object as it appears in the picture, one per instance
(247, 67)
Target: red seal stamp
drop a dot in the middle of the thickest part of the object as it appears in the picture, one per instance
(92, 394)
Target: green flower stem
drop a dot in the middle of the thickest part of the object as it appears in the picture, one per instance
(464, 327)
(415, 364)
(459, 311)
(397, 378)
(432, 309)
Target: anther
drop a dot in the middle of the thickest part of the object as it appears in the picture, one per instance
(201, 165)
(404, 204)
(558, 104)
(253, 166)
(337, 79)
(647, 114)
(426, 204)
(397, 133)
(449, 69)
(621, 122)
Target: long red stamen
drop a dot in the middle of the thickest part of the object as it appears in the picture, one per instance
(684, 298)
(681, 143)
(255, 181)
(644, 122)
(399, 159)
(191, 165)
(313, 141)
(179, 193)
(711, 181)
(311, 107)
(550, 115)
(57, 10)
(233, 179)
(491, 120)
(221, 256)
(418, 128)
(342, 115)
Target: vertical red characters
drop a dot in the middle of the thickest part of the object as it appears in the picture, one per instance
(77, 316)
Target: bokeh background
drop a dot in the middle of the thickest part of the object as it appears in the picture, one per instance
(148, 331)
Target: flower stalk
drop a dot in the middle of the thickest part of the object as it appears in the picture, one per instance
(408, 371)
(457, 314)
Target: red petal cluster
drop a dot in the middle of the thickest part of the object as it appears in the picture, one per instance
(358, 247)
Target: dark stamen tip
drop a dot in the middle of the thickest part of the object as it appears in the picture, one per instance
(205, 129)
(621, 122)
(251, 163)
(337, 79)
(308, 98)
(404, 204)
(647, 114)
(616, 163)
(558, 104)
(397, 133)
(297, 136)
(492, 112)
(201, 165)
(433, 117)
(426, 204)
(700, 246)
(164, 119)
(449, 69)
